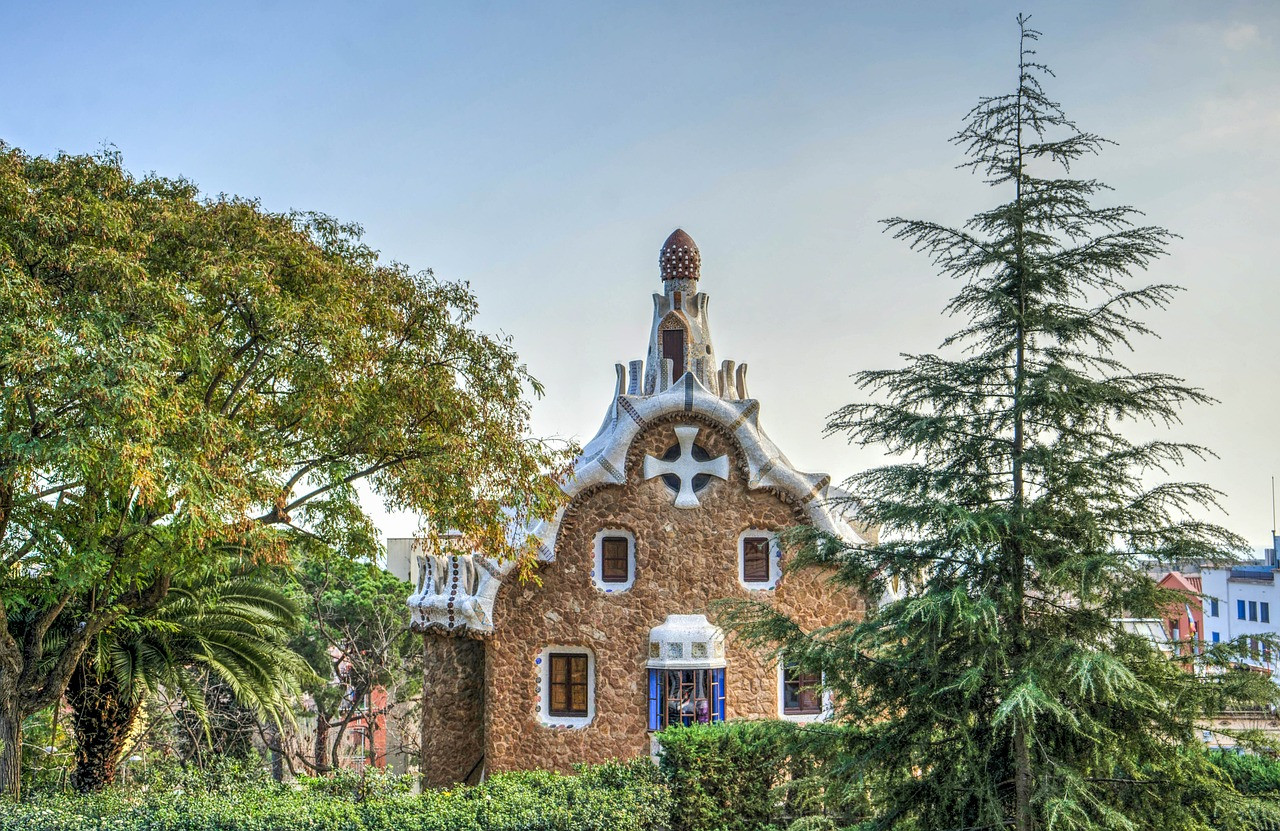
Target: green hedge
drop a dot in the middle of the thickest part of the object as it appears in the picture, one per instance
(755, 776)
(1251, 774)
(613, 797)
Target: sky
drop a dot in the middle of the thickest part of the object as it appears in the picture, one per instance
(543, 151)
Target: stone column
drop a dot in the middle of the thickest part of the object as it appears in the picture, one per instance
(452, 710)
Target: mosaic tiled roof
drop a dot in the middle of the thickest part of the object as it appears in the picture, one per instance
(680, 258)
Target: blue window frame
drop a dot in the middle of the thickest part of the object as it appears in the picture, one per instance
(685, 696)
(1264, 613)
(1253, 610)
(1213, 607)
(1239, 610)
(1216, 637)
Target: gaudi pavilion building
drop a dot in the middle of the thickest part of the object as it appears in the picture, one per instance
(674, 504)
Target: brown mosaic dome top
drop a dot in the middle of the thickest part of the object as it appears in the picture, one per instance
(679, 258)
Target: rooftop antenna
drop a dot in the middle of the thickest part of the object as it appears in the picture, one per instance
(1274, 542)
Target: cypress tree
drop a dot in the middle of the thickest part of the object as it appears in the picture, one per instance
(995, 685)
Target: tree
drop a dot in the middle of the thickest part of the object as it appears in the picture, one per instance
(235, 629)
(999, 688)
(191, 384)
(356, 638)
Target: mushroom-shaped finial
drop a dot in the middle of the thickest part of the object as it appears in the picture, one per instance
(679, 258)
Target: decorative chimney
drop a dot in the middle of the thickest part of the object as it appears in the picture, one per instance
(680, 332)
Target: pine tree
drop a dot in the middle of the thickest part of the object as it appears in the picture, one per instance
(997, 687)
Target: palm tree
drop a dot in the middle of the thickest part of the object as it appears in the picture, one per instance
(236, 629)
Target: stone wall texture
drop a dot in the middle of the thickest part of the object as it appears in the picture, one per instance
(685, 560)
(452, 709)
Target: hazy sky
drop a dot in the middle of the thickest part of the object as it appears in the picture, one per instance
(543, 151)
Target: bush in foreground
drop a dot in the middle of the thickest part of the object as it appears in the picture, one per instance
(610, 797)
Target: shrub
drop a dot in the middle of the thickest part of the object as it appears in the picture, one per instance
(1248, 773)
(752, 776)
(613, 797)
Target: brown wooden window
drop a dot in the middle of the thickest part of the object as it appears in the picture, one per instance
(615, 565)
(800, 696)
(568, 684)
(755, 559)
(673, 348)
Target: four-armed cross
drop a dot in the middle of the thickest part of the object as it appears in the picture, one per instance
(685, 467)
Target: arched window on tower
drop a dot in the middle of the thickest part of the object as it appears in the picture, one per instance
(673, 348)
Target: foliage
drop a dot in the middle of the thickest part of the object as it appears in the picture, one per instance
(610, 797)
(747, 775)
(355, 636)
(995, 686)
(234, 629)
(1249, 773)
(191, 383)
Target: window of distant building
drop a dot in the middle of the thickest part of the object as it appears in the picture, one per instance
(1175, 631)
(1264, 612)
(1239, 610)
(1253, 610)
(1216, 637)
(614, 566)
(1213, 607)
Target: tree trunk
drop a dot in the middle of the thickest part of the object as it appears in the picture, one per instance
(10, 751)
(322, 741)
(103, 715)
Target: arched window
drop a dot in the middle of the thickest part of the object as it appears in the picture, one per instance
(672, 343)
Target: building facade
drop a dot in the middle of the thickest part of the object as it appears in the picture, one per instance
(1243, 601)
(676, 503)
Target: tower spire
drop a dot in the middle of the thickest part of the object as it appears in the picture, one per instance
(680, 340)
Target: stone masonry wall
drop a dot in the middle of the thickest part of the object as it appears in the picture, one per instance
(685, 559)
(452, 709)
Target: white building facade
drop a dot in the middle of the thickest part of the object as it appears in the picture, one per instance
(1243, 601)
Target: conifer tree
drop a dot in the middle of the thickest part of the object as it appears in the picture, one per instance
(995, 685)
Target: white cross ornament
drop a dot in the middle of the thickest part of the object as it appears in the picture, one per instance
(685, 467)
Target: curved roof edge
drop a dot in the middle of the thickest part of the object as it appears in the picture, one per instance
(604, 459)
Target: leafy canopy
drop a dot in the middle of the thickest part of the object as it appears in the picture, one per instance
(995, 686)
(188, 383)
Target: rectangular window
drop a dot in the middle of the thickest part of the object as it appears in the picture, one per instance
(800, 695)
(614, 562)
(568, 685)
(685, 696)
(1217, 638)
(1264, 611)
(1213, 607)
(1239, 610)
(1253, 610)
(755, 559)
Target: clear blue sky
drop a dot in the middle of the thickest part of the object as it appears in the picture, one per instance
(543, 151)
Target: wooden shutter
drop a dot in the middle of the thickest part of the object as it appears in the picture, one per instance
(799, 693)
(673, 348)
(755, 559)
(568, 677)
(614, 562)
